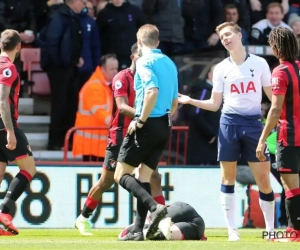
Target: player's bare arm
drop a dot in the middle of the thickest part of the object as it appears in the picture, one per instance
(4, 106)
(268, 92)
(125, 109)
(149, 102)
(174, 106)
(213, 104)
(6, 116)
(272, 119)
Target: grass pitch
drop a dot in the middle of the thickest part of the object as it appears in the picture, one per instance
(32, 239)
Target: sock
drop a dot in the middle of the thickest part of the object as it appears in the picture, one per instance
(227, 197)
(267, 205)
(135, 187)
(293, 207)
(288, 216)
(15, 189)
(89, 206)
(160, 199)
(141, 211)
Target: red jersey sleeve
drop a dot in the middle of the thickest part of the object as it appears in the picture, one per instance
(279, 82)
(120, 85)
(8, 74)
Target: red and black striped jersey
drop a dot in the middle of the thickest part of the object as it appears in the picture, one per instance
(286, 81)
(10, 77)
(122, 86)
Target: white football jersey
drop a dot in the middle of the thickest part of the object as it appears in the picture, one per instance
(241, 85)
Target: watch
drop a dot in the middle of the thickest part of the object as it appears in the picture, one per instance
(140, 121)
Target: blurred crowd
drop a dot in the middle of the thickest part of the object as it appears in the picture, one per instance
(74, 34)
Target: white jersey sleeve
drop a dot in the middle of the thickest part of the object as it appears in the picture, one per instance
(218, 83)
(266, 74)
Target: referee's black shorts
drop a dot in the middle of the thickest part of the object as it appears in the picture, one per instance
(147, 145)
(288, 159)
(22, 149)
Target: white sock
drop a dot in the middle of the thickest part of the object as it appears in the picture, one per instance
(228, 206)
(268, 209)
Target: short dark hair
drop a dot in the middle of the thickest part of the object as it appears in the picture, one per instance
(230, 6)
(104, 59)
(134, 48)
(9, 40)
(284, 42)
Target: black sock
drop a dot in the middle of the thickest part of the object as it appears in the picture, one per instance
(15, 190)
(135, 187)
(141, 211)
(288, 216)
(293, 208)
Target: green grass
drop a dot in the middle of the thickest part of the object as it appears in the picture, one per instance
(107, 239)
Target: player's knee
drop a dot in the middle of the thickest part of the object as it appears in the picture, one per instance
(263, 182)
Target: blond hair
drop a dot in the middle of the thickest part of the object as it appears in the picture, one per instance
(232, 25)
(149, 34)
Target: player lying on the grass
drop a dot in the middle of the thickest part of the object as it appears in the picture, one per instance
(124, 96)
(182, 222)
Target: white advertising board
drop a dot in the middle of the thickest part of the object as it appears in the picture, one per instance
(57, 193)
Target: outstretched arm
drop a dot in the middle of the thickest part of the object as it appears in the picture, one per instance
(213, 104)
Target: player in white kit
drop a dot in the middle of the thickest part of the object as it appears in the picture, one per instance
(239, 79)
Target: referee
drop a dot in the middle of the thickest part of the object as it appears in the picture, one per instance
(156, 86)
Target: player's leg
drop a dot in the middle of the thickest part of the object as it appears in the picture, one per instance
(144, 174)
(22, 155)
(228, 155)
(3, 163)
(2, 169)
(156, 190)
(261, 173)
(104, 183)
(288, 163)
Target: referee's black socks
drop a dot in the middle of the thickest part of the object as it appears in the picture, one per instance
(141, 211)
(137, 189)
(15, 190)
(292, 202)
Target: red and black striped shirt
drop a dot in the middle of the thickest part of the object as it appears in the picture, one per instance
(122, 85)
(10, 77)
(286, 81)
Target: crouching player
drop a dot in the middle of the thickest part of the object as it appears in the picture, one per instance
(182, 222)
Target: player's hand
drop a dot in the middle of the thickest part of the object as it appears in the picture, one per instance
(255, 5)
(260, 151)
(11, 140)
(183, 99)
